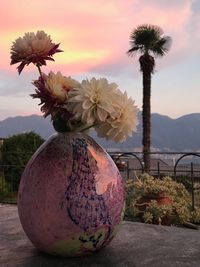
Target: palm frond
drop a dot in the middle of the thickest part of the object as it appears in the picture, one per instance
(132, 50)
(148, 38)
(162, 46)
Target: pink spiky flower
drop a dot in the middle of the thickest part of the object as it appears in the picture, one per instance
(33, 48)
(52, 90)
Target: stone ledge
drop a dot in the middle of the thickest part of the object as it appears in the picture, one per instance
(135, 245)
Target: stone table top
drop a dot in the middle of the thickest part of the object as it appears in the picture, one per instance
(136, 245)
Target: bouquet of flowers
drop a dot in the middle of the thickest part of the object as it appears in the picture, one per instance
(73, 105)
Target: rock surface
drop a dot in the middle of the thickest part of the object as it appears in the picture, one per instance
(136, 245)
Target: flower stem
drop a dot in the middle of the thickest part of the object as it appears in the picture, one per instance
(86, 128)
(39, 69)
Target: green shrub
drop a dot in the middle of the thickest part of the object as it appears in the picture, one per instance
(5, 189)
(186, 181)
(16, 152)
(177, 210)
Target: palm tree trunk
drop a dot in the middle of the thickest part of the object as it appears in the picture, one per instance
(146, 118)
(147, 64)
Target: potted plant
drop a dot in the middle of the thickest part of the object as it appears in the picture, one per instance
(152, 188)
(159, 201)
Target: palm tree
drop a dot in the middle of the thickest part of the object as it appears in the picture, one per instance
(149, 41)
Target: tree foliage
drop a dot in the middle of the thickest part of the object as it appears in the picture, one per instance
(16, 152)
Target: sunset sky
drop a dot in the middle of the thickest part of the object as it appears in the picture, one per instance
(94, 35)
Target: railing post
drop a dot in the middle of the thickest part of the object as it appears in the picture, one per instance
(158, 169)
(192, 180)
(128, 171)
(175, 174)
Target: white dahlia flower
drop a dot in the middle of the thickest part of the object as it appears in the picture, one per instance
(122, 123)
(92, 101)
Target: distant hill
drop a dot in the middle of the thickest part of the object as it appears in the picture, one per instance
(20, 124)
(180, 134)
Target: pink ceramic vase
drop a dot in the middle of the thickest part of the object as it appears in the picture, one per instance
(71, 196)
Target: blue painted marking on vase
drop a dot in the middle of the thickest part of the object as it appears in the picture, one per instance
(84, 206)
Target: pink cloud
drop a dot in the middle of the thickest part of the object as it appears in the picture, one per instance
(93, 32)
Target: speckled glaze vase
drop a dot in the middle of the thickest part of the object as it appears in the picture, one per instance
(71, 196)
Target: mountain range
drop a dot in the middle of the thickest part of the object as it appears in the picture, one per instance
(182, 134)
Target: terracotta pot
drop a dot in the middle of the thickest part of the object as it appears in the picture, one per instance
(71, 196)
(161, 199)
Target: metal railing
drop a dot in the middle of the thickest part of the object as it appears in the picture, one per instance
(181, 166)
(184, 167)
